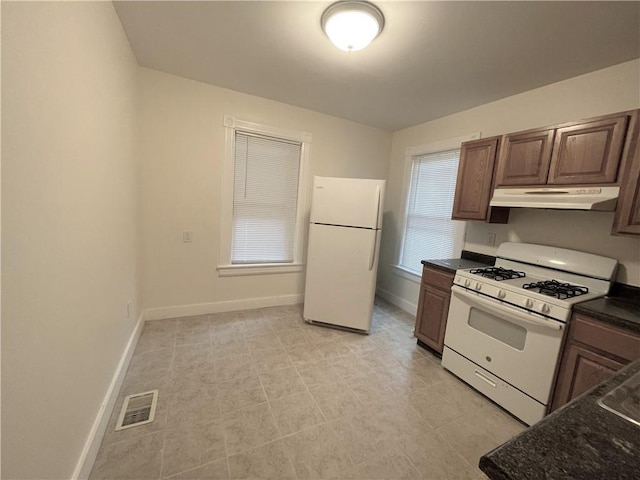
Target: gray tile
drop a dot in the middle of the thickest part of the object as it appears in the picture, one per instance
(153, 360)
(292, 336)
(296, 412)
(235, 394)
(436, 460)
(285, 322)
(317, 373)
(191, 445)
(335, 400)
(234, 367)
(271, 360)
(333, 350)
(304, 353)
(217, 470)
(256, 327)
(384, 465)
(248, 428)
(315, 453)
(156, 340)
(199, 405)
(263, 343)
(469, 438)
(138, 458)
(280, 383)
(229, 346)
(269, 461)
(188, 357)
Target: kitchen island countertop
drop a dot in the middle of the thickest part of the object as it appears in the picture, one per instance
(579, 441)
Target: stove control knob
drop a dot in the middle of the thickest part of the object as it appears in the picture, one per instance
(467, 282)
(544, 308)
(478, 286)
(528, 303)
(502, 294)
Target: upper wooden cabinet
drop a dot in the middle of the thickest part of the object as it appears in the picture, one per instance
(627, 219)
(587, 152)
(474, 184)
(525, 158)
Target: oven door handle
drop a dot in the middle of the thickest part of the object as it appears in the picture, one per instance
(503, 310)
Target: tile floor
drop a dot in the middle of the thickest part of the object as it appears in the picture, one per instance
(261, 394)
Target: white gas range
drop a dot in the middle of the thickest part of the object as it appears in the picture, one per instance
(506, 323)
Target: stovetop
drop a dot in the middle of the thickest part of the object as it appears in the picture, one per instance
(532, 288)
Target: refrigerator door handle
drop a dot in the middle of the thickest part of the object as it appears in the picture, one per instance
(377, 206)
(372, 259)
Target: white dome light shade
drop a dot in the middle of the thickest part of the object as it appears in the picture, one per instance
(352, 25)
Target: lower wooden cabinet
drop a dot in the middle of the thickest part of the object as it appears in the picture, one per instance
(433, 307)
(593, 352)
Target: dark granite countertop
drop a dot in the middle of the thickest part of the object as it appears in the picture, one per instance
(579, 441)
(468, 260)
(621, 308)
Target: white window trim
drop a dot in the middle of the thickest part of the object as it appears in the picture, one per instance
(410, 152)
(226, 269)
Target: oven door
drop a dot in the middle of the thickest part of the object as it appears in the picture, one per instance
(519, 346)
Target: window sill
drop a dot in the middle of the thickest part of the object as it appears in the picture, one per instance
(261, 269)
(406, 274)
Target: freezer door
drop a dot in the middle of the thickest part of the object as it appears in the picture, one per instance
(341, 275)
(347, 201)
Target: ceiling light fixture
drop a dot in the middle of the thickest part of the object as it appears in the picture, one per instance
(351, 25)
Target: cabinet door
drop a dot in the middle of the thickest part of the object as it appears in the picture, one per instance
(432, 315)
(588, 153)
(580, 371)
(474, 182)
(627, 220)
(525, 158)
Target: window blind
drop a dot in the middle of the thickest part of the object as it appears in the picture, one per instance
(265, 193)
(429, 231)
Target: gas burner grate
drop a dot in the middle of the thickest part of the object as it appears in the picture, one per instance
(498, 273)
(553, 288)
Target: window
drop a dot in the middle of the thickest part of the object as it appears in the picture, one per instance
(263, 190)
(428, 231)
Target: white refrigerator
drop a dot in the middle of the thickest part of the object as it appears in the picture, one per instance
(342, 256)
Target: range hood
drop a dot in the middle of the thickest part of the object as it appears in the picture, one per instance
(601, 199)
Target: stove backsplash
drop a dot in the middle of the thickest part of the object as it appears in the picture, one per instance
(578, 230)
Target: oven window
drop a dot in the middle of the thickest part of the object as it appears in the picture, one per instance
(503, 331)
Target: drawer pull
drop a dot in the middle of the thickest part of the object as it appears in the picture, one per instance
(486, 379)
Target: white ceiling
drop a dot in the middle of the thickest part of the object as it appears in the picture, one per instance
(431, 60)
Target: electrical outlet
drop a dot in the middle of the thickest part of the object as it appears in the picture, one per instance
(129, 309)
(491, 239)
(187, 236)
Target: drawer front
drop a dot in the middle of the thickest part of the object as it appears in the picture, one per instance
(607, 338)
(437, 278)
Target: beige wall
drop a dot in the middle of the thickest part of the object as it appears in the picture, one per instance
(605, 91)
(182, 149)
(69, 220)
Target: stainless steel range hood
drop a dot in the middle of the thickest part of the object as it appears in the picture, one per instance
(601, 199)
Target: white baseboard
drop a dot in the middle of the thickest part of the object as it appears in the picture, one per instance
(92, 444)
(400, 302)
(217, 307)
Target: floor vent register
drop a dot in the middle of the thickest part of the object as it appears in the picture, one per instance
(138, 409)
